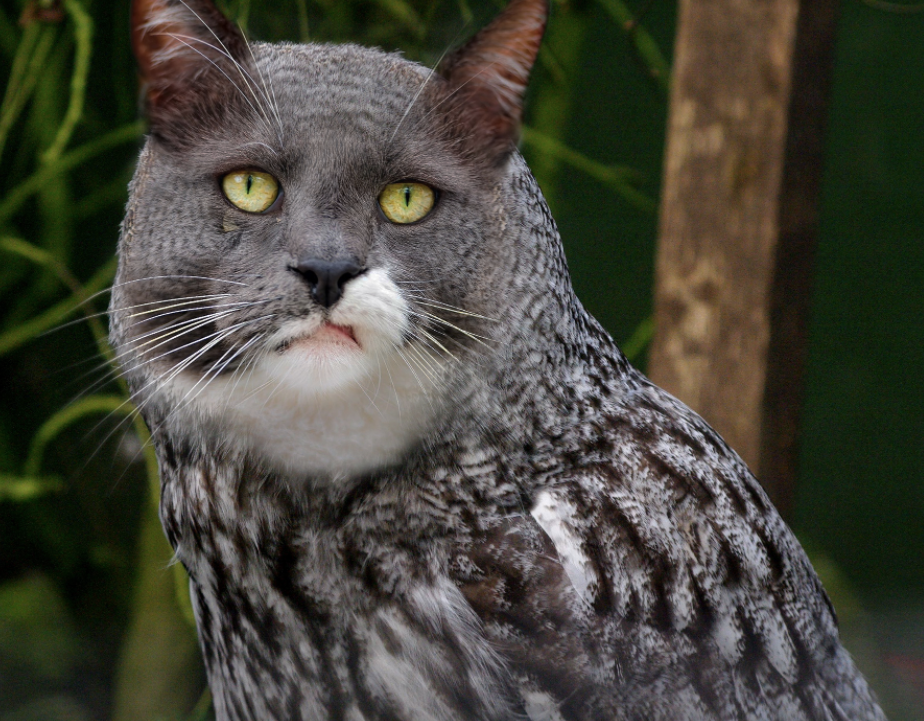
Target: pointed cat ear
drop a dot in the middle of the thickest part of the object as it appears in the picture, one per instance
(488, 75)
(189, 55)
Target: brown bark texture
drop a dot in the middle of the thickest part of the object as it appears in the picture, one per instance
(738, 219)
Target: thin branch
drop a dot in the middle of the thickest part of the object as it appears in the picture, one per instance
(33, 49)
(83, 36)
(618, 177)
(645, 45)
(23, 333)
(65, 417)
(894, 7)
(35, 182)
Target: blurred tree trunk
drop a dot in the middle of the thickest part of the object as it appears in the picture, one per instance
(738, 220)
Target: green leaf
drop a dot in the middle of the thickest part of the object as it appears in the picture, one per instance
(83, 34)
(27, 488)
(24, 332)
(36, 630)
(639, 340)
(645, 45)
(619, 178)
(67, 416)
(35, 182)
(31, 54)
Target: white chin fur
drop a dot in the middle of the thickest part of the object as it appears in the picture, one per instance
(325, 406)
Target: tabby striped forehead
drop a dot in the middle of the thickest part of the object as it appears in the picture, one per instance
(363, 89)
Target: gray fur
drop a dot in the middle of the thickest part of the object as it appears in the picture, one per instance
(424, 587)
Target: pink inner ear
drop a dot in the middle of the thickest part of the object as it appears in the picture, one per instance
(496, 64)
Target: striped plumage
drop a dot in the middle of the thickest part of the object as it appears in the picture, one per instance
(480, 511)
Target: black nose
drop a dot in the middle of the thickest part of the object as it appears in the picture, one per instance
(327, 277)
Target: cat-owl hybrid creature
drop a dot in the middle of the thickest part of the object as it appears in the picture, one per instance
(410, 477)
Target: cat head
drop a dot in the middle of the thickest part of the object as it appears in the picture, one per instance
(319, 237)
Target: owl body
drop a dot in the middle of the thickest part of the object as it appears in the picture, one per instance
(651, 579)
(409, 476)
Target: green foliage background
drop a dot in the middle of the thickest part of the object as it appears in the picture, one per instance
(94, 622)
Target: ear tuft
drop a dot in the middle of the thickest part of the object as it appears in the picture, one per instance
(189, 56)
(488, 75)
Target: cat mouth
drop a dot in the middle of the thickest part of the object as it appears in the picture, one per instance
(333, 333)
(328, 334)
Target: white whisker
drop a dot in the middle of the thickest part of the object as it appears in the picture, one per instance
(423, 85)
(184, 38)
(245, 75)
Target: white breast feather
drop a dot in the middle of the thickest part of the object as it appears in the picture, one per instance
(555, 516)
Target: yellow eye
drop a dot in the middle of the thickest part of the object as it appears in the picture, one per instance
(406, 202)
(250, 190)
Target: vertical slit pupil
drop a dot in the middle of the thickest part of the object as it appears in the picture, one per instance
(249, 183)
(407, 196)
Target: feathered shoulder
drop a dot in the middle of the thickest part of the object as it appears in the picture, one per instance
(683, 590)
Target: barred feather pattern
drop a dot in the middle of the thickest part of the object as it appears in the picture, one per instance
(561, 540)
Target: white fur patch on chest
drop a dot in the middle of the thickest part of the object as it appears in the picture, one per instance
(315, 403)
(556, 517)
